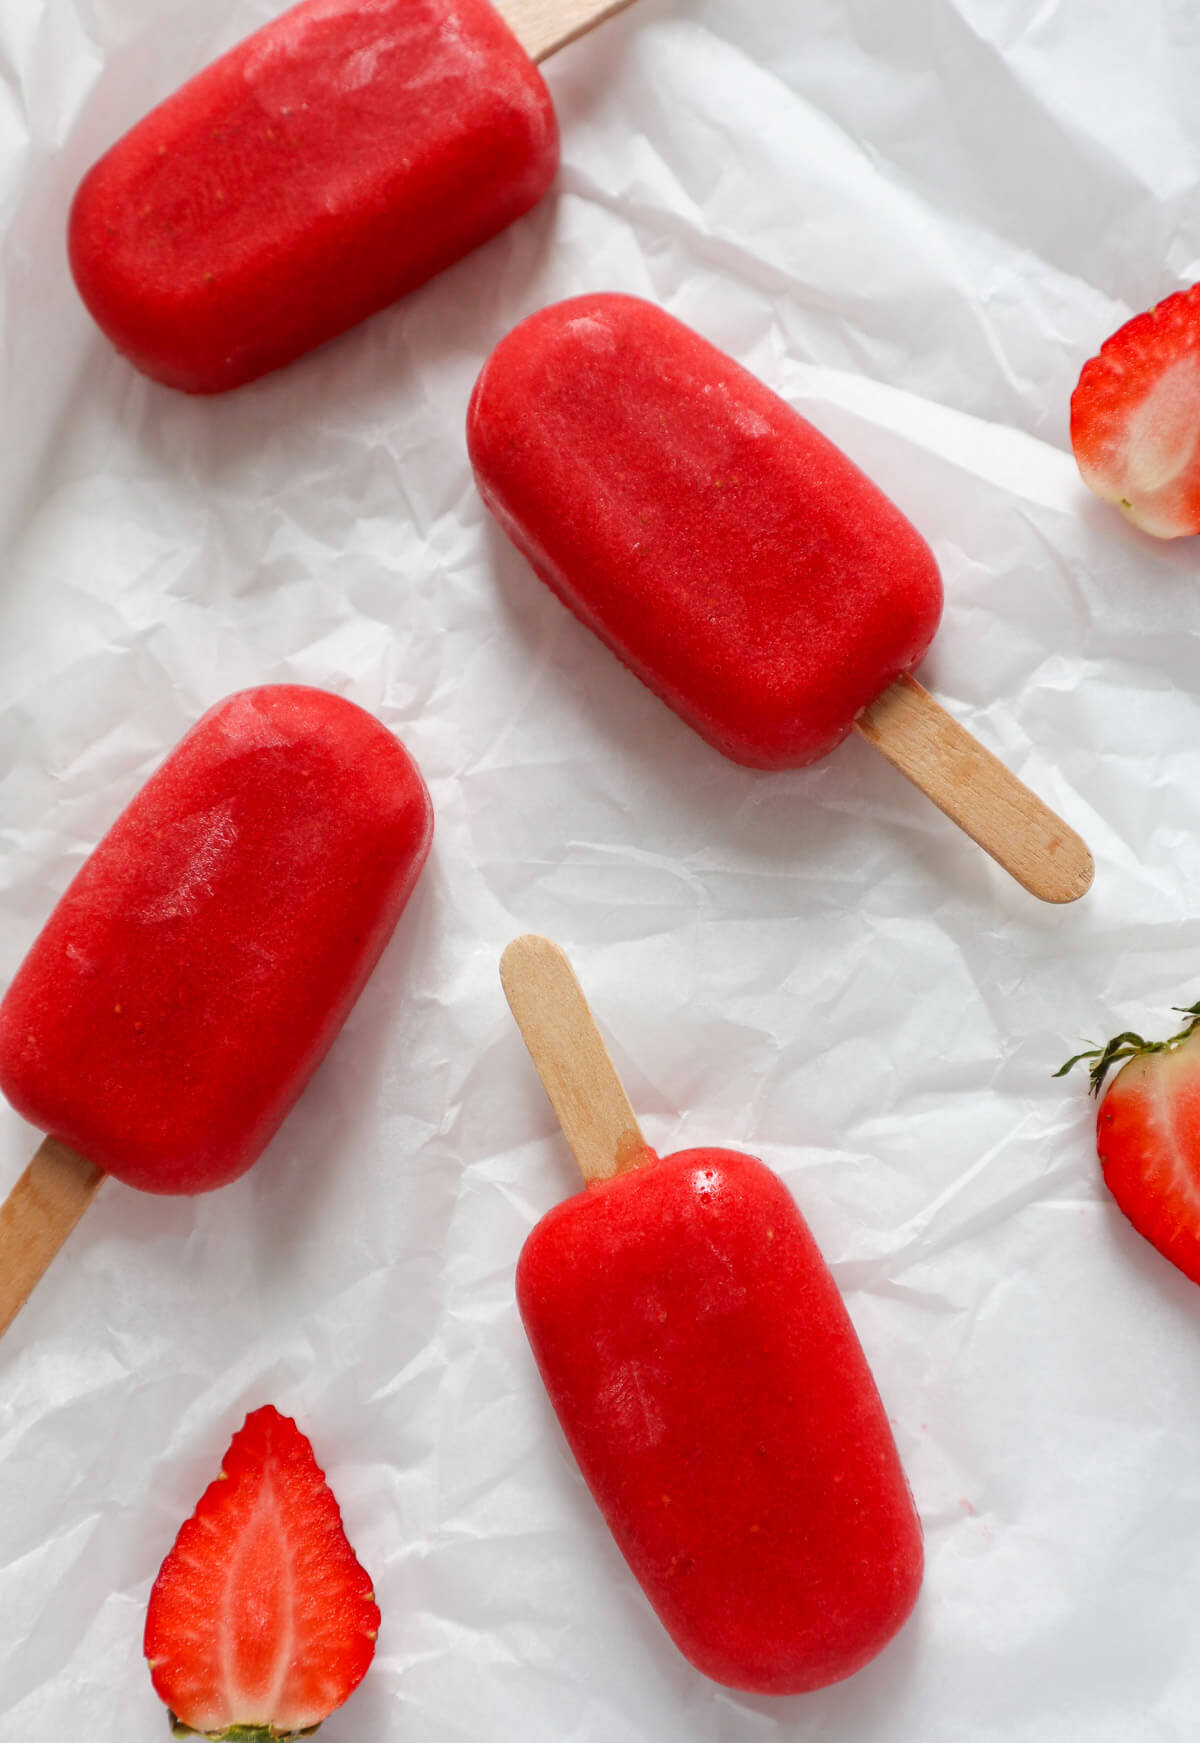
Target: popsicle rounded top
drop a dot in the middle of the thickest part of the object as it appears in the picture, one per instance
(712, 1388)
(339, 157)
(200, 964)
(737, 561)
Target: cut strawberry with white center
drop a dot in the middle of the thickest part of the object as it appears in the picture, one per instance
(1135, 418)
(261, 1620)
(1148, 1137)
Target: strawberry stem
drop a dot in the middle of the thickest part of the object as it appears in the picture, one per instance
(239, 1733)
(1129, 1046)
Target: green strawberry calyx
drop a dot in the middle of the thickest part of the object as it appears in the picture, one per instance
(1128, 1046)
(239, 1733)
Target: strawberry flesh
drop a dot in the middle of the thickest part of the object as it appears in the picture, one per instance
(1135, 418)
(261, 1620)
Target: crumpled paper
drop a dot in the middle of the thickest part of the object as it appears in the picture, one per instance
(915, 222)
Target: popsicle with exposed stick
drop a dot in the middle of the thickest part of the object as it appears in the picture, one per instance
(708, 1381)
(336, 159)
(199, 966)
(736, 560)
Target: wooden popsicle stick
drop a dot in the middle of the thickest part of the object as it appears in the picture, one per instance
(572, 1061)
(542, 27)
(976, 791)
(36, 1218)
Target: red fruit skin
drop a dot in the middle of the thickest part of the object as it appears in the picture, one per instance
(741, 565)
(202, 961)
(339, 157)
(1135, 418)
(1148, 1140)
(713, 1391)
(261, 1614)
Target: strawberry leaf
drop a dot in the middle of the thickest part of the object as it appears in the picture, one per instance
(1126, 1046)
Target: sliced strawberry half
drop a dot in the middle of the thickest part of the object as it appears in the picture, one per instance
(261, 1620)
(1148, 1136)
(1135, 418)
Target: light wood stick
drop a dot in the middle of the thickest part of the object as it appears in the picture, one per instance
(542, 27)
(36, 1218)
(571, 1059)
(977, 792)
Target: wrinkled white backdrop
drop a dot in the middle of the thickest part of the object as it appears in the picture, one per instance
(916, 220)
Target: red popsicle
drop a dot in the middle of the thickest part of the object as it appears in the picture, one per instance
(195, 972)
(709, 1382)
(339, 157)
(740, 564)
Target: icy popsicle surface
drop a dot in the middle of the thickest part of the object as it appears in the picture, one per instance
(713, 1391)
(339, 157)
(730, 554)
(200, 964)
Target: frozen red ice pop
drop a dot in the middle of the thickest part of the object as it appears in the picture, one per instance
(200, 964)
(339, 157)
(736, 560)
(709, 1382)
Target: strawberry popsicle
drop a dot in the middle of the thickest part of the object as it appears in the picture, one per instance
(736, 560)
(339, 157)
(195, 972)
(709, 1382)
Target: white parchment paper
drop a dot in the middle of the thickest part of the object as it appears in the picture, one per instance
(916, 220)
